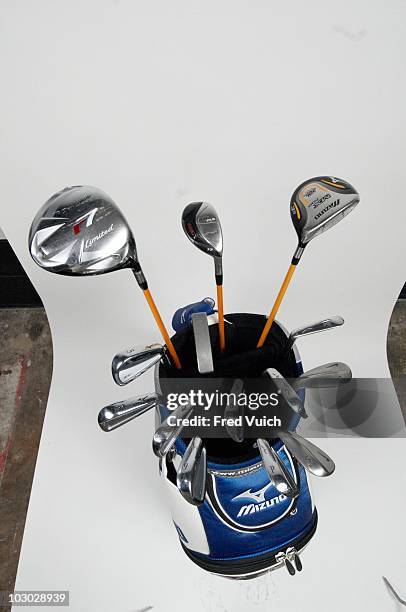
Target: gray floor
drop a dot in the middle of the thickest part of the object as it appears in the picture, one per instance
(25, 374)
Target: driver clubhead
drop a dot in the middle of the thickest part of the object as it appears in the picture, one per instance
(202, 226)
(129, 364)
(80, 231)
(319, 203)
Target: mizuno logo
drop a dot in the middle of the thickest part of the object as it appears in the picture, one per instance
(332, 205)
(259, 502)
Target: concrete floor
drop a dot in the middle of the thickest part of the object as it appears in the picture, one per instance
(25, 375)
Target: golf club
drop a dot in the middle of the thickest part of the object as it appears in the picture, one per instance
(115, 415)
(80, 231)
(129, 364)
(278, 473)
(324, 376)
(315, 206)
(192, 472)
(233, 411)
(201, 225)
(287, 392)
(308, 454)
(202, 343)
(313, 328)
(166, 434)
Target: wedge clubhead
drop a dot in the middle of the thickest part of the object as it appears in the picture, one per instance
(324, 376)
(308, 454)
(129, 364)
(201, 225)
(192, 473)
(287, 392)
(278, 473)
(80, 231)
(316, 205)
(167, 433)
(313, 328)
(115, 415)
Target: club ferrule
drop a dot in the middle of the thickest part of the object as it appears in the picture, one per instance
(298, 254)
(218, 270)
(139, 276)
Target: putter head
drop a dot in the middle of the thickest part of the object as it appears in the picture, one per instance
(80, 231)
(129, 364)
(202, 226)
(318, 204)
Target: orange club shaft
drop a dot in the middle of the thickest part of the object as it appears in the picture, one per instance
(275, 308)
(162, 328)
(220, 305)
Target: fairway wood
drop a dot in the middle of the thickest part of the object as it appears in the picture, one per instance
(201, 225)
(202, 343)
(320, 203)
(192, 472)
(287, 392)
(313, 328)
(166, 434)
(115, 415)
(278, 473)
(308, 454)
(80, 231)
(324, 376)
(315, 206)
(233, 411)
(129, 364)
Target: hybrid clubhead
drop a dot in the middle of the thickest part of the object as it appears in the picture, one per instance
(201, 225)
(315, 206)
(115, 415)
(278, 473)
(129, 364)
(308, 454)
(192, 473)
(80, 231)
(313, 328)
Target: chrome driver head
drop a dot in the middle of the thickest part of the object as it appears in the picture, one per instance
(319, 203)
(202, 226)
(80, 231)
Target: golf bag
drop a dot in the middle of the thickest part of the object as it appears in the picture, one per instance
(244, 527)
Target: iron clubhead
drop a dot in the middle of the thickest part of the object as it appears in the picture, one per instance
(287, 392)
(318, 204)
(313, 328)
(115, 415)
(129, 364)
(308, 454)
(80, 231)
(165, 436)
(324, 376)
(192, 473)
(278, 473)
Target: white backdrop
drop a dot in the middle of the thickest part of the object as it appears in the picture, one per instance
(234, 102)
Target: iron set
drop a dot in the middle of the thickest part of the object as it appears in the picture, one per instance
(80, 231)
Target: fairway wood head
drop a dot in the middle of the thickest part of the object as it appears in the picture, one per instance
(129, 364)
(324, 376)
(201, 225)
(318, 204)
(192, 473)
(80, 231)
(117, 414)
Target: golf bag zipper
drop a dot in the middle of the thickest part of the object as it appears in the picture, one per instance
(290, 558)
